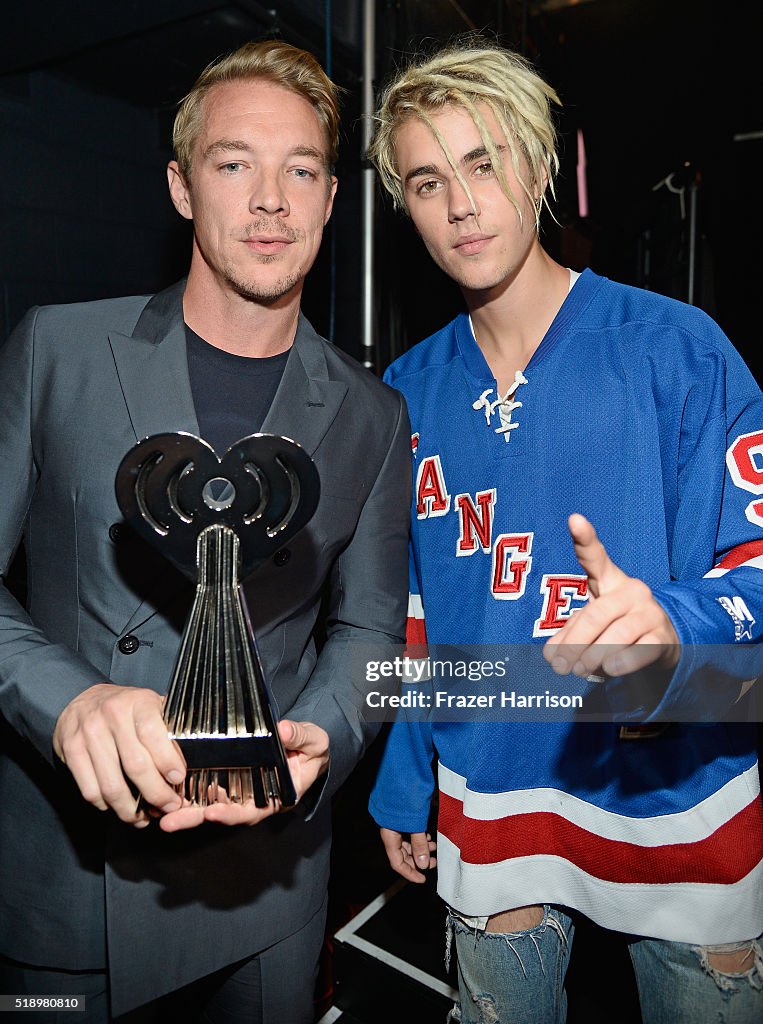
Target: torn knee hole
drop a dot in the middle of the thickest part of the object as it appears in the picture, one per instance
(737, 962)
(731, 963)
(488, 1011)
(521, 919)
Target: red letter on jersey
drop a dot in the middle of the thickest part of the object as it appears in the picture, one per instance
(744, 461)
(747, 470)
(510, 572)
(471, 521)
(558, 594)
(432, 498)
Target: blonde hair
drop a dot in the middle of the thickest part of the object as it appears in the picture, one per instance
(471, 73)
(274, 61)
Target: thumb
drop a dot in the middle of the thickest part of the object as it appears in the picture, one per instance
(601, 571)
(420, 849)
(304, 736)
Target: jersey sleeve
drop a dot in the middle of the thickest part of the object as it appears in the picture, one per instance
(721, 497)
(402, 793)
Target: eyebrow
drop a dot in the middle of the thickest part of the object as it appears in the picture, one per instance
(238, 146)
(467, 158)
(226, 146)
(310, 151)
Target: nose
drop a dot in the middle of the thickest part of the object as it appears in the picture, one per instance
(268, 195)
(460, 206)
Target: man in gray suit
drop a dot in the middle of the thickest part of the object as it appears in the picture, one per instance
(97, 897)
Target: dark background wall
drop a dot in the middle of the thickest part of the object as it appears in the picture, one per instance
(83, 201)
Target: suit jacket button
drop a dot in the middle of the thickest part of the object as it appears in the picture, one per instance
(282, 557)
(118, 532)
(128, 644)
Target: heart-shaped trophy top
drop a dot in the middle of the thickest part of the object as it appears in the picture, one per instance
(170, 487)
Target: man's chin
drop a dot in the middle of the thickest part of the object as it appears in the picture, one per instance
(482, 282)
(264, 294)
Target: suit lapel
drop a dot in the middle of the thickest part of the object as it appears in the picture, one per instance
(306, 402)
(153, 373)
(153, 368)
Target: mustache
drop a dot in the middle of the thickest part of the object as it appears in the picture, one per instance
(263, 226)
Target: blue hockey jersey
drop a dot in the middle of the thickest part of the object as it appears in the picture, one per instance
(636, 411)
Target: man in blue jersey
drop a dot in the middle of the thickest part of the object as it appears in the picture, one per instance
(557, 401)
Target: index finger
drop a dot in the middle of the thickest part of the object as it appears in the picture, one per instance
(589, 551)
(149, 758)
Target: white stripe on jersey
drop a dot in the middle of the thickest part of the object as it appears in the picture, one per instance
(687, 826)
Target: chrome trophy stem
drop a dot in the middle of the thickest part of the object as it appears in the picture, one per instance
(214, 709)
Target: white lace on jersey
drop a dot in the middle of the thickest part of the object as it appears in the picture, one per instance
(503, 404)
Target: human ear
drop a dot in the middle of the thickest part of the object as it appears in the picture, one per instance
(330, 199)
(180, 193)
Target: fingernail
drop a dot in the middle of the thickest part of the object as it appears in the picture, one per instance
(422, 859)
(174, 805)
(142, 823)
(175, 777)
(579, 669)
(560, 666)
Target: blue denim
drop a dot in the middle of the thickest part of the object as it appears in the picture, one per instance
(518, 977)
(512, 976)
(677, 984)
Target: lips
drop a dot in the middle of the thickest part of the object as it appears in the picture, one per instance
(470, 245)
(267, 244)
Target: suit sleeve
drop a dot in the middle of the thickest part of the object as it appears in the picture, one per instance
(38, 678)
(365, 615)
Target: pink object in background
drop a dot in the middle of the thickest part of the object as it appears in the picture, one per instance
(581, 176)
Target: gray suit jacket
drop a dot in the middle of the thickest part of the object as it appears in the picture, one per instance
(80, 384)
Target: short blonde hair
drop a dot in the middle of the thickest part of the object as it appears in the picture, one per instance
(468, 74)
(274, 61)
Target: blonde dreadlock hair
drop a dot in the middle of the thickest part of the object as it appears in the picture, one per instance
(471, 73)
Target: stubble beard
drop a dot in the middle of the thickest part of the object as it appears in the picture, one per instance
(247, 285)
(253, 291)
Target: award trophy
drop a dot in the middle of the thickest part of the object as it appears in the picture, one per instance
(217, 519)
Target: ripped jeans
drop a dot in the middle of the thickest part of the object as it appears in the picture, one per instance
(518, 977)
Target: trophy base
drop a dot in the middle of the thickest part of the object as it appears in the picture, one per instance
(238, 769)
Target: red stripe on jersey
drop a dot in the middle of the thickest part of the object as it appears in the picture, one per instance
(724, 857)
(740, 555)
(415, 631)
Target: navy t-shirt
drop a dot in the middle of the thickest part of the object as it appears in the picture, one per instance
(231, 394)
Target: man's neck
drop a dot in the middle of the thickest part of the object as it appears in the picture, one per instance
(512, 319)
(233, 323)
